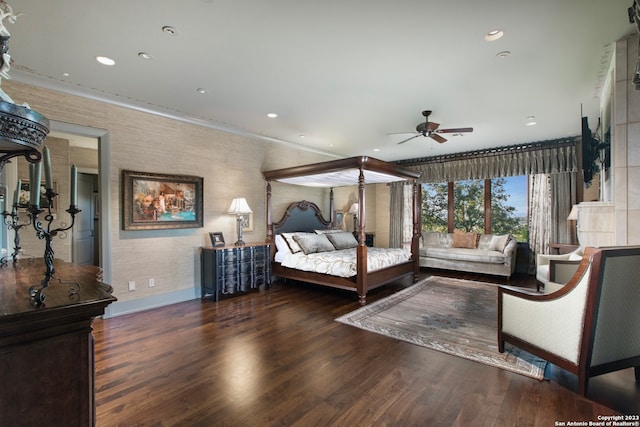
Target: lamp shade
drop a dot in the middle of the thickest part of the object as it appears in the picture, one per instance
(353, 210)
(239, 206)
(573, 215)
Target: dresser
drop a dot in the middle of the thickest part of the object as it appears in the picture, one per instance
(227, 270)
(47, 374)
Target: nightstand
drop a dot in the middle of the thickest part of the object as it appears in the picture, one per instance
(229, 269)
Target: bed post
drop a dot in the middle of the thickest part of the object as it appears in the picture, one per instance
(270, 237)
(361, 249)
(332, 217)
(417, 228)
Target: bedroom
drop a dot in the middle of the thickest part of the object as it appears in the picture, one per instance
(137, 140)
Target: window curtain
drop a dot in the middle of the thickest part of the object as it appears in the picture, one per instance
(563, 196)
(395, 215)
(401, 215)
(539, 218)
(547, 157)
(551, 197)
(407, 216)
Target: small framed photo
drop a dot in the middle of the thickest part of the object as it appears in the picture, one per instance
(217, 239)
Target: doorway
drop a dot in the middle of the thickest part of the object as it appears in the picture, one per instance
(86, 241)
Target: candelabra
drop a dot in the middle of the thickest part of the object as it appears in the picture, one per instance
(12, 221)
(47, 233)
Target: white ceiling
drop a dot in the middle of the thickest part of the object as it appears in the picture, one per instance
(342, 73)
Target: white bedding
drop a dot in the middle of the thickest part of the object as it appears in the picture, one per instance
(342, 263)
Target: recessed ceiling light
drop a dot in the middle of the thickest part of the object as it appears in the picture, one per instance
(531, 121)
(493, 35)
(272, 115)
(301, 136)
(376, 149)
(170, 30)
(144, 55)
(201, 90)
(104, 60)
(65, 74)
(503, 54)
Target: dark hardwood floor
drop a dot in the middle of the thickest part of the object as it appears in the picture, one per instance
(277, 357)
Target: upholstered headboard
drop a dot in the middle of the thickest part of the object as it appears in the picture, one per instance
(301, 216)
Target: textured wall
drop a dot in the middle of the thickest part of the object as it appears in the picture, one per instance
(230, 165)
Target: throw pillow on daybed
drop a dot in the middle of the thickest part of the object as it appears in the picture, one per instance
(462, 239)
(312, 243)
(498, 243)
(343, 240)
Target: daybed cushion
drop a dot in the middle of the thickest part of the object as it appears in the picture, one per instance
(342, 240)
(465, 254)
(312, 243)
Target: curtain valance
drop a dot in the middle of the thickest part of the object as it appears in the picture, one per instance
(544, 157)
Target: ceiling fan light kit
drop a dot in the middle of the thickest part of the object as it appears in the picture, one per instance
(431, 130)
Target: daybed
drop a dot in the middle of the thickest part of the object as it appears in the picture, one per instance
(484, 253)
(306, 217)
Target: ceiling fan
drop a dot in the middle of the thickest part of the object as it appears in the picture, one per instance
(431, 130)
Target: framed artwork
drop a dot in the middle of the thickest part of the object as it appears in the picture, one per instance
(339, 219)
(247, 222)
(25, 196)
(217, 239)
(152, 201)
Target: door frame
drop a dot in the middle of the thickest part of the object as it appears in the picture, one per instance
(104, 167)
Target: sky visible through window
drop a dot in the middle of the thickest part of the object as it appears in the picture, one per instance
(516, 188)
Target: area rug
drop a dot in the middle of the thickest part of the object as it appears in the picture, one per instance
(458, 317)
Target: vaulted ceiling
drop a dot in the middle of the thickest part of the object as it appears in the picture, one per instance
(340, 75)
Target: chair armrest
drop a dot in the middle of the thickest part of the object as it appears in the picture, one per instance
(544, 259)
(561, 271)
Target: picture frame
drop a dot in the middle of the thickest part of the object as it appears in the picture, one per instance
(339, 219)
(25, 196)
(247, 222)
(154, 201)
(217, 239)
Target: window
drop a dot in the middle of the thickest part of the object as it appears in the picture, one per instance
(505, 211)
(509, 206)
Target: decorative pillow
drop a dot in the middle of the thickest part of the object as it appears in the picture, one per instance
(464, 240)
(328, 231)
(312, 243)
(343, 240)
(293, 245)
(281, 244)
(498, 243)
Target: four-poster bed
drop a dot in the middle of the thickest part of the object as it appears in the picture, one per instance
(305, 216)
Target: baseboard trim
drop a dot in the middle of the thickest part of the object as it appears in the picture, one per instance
(120, 308)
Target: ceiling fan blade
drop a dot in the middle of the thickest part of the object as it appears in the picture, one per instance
(455, 130)
(438, 138)
(408, 139)
(432, 126)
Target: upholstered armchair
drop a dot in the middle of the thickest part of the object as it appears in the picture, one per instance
(589, 326)
(553, 271)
